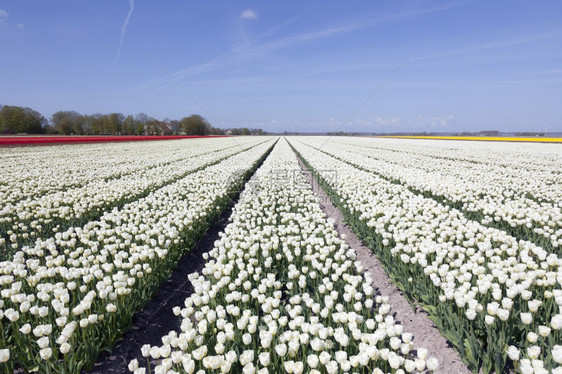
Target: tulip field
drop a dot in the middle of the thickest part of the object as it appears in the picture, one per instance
(90, 246)
(74, 139)
(472, 232)
(469, 231)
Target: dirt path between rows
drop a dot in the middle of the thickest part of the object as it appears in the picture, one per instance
(156, 319)
(415, 320)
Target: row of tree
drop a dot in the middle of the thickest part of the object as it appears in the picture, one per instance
(20, 120)
(17, 120)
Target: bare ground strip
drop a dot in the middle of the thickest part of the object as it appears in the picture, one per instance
(156, 319)
(414, 319)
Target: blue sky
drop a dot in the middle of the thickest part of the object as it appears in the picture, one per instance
(291, 65)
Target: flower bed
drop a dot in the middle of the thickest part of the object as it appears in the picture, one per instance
(68, 297)
(282, 293)
(496, 298)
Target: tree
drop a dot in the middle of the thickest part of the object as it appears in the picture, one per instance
(20, 120)
(88, 124)
(142, 120)
(14, 120)
(68, 122)
(195, 125)
(99, 125)
(129, 126)
(114, 123)
(216, 131)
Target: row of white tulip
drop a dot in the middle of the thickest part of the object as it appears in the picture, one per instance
(281, 292)
(27, 220)
(67, 297)
(487, 290)
(527, 203)
(33, 171)
(537, 164)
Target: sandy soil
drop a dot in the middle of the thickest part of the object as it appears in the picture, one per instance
(414, 319)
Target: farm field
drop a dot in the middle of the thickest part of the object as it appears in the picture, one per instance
(481, 138)
(469, 231)
(57, 139)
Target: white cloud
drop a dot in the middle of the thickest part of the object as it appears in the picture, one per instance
(3, 15)
(249, 14)
(21, 26)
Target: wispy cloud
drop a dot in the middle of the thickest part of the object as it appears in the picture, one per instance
(222, 59)
(347, 27)
(544, 72)
(266, 34)
(261, 47)
(124, 29)
(249, 14)
(497, 44)
(273, 30)
(243, 33)
(3, 15)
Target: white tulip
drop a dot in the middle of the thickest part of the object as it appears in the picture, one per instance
(264, 358)
(246, 357)
(432, 363)
(533, 352)
(4, 355)
(526, 318)
(557, 354)
(422, 353)
(65, 348)
(199, 353)
(45, 353)
(513, 353)
(532, 337)
(25, 329)
(133, 365)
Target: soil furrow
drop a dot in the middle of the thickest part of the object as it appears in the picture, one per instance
(414, 319)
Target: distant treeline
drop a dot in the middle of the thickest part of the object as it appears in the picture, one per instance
(21, 120)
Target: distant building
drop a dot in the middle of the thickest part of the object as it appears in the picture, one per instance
(156, 127)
